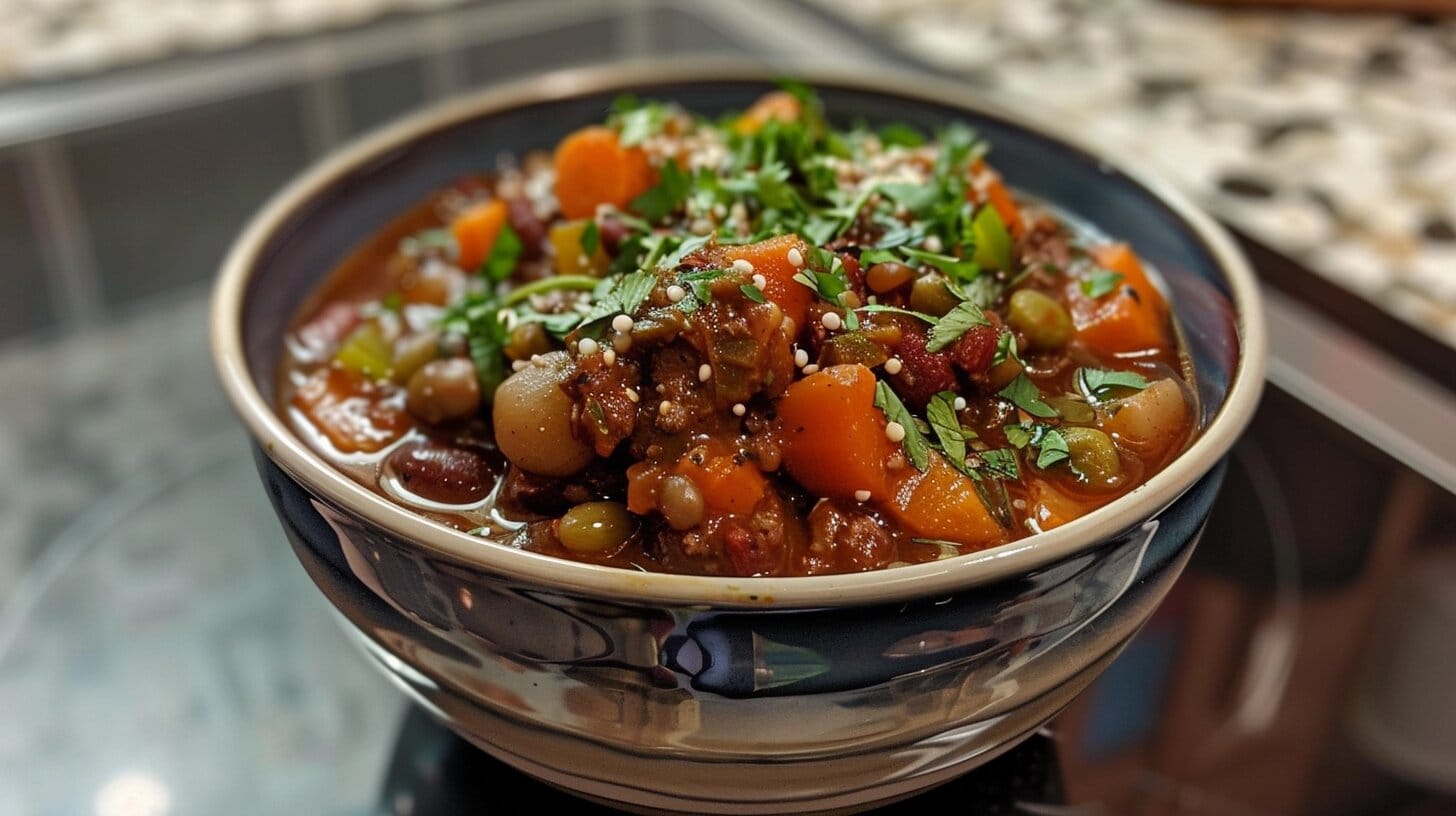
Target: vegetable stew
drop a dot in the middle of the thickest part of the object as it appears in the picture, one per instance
(757, 345)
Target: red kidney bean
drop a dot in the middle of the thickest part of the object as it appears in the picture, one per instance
(441, 473)
(528, 226)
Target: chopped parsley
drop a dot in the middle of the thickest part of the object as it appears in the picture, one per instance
(1101, 282)
(504, 254)
(917, 449)
(999, 464)
(591, 238)
(673, 186)
(1099, 385)
(948, 329)
(1024, 394)
(947, 427)
(1052, 449)
(753, 293)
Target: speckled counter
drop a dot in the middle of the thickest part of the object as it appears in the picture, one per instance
(1331, 138)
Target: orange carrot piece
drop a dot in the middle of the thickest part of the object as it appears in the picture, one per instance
(834, 436)
(593, 168)
(770, 258)
(728, 486)
(347, 409)
(1049, 507)
(475, 231)
(1133, 317)
(776, 105)
(942, 503)
(998, 196)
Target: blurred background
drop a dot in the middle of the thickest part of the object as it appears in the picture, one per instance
(160, 652)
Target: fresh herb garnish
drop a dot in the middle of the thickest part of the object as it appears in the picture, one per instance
(1101, 282)
(956, 322)
(661, 201)
(917, 449)
(1052, 448)
(1024, 394)
(881, 307)
(993, 242)
(1099, 384)
(900, 134)
(946, 425)
(1005, 349)
(504, 254)
(955, 268)
(477, 318)
(999, 464)
(753, 293)
(640, 121)
(591, 239)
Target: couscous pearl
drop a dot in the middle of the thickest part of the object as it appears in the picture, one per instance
(861, 495)
(895, 432)
(932, 244)
(705, 372)
(676, 293)
(743, 266)
(760, 281)
(832, 321)
(633, 395)
(960, 403)
(801, 358)
(609, 357)
(587, 346)
(623, 323)
(893, 365)
(796, 257)
(664, 407)
(518, 365)
(810, 369)
(739, 409)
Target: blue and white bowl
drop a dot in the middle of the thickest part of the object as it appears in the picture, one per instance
(728, 695)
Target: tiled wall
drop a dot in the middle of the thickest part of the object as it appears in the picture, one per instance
(150, 205)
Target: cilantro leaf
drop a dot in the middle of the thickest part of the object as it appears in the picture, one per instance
(504, 254)
(955, 323)
(1005, 349)
(917, 450)
(947, 427)
(1101, 282)
(1024, 394)
(1100, 384)
(477, 318)
(993, 242)
(914, 197)
(669, 194)
(1018, 435)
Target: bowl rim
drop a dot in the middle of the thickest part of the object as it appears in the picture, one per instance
(936, 578)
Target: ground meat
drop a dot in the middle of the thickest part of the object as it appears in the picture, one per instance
(547, 496)
(846, 538)
(678, 397)
(745, 344)
(1046, 242)
(756, 545)
(605, 411)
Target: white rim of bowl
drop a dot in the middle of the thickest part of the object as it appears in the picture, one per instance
(878, 586)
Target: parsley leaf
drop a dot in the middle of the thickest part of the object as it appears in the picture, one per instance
(954, 268)
(955, 323)
(914, 197)
(1053, 449)
(881, 307)
(669, 194)
(947, 427)
(1018, 435)
(477, 317)
(591, 238)
(640, 122)
(1099, 384)
(753, 293)
(503, 255)
(993, 242)
(898, 133)
(917, 450)
(1024, 394)
(1005, 349)
(1101, 282)
(1000, 463)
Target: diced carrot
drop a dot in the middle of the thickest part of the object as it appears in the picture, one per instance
(593, 168)
(999, 197)
(643, 480)
(475, 231)
(942, 503)
(350, 410)
(1133, 317)
(770, 258)
(729, 484)
(1049, 507)
(777, 105)
(834, 436)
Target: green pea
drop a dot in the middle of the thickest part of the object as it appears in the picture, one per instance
(1045, 323)
(595, 527)
(1093, 453)
(930, 295)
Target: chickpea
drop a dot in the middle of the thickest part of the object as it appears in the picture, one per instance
(1045, 323)
(595, 527)
(443, 391)
(1094, 455)
(533, 419)
(681, 502)
(931, 296)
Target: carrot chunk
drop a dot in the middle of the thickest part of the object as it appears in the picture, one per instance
(996, 194)
(475, 231)
(593, 168)
(1133, 317)
(942, 503)
(779, 106)
(770, 258)
(834, 436)
(729, 485)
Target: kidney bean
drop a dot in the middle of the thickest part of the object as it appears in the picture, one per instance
(441, 473)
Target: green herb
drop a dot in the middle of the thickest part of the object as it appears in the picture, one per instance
(1019, 435)
(1005, 349)
(1101, 282)
(616, 296)
(598, 415)
(1000, 464)
(954, 268)
(956, 322)
(901, 134)
(392, 302)
(669, 194)
(947, 427)
(504, 254)
(914, 197)
(591, 238)
(441, 239)
(993, 242)
(881, 307)
(477, 318)
(1053, 449)
(870, 257)
(1099, 384)
(640, 122)
(917, 450)
(683, 249)
(753, 293)
(1024, 394)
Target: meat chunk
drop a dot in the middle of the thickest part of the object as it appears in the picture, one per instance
(846, 538)
(605, 411)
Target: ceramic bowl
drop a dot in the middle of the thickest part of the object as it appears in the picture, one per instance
(729, 695)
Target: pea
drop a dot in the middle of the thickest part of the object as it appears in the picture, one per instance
(931, 296)
(595, 527)
(1093, 453)
(1045, 323)
(527, 339)
(681, 502)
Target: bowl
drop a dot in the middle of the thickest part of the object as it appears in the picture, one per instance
(726, 695)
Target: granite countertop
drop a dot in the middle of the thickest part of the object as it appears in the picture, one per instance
(1330, 138)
